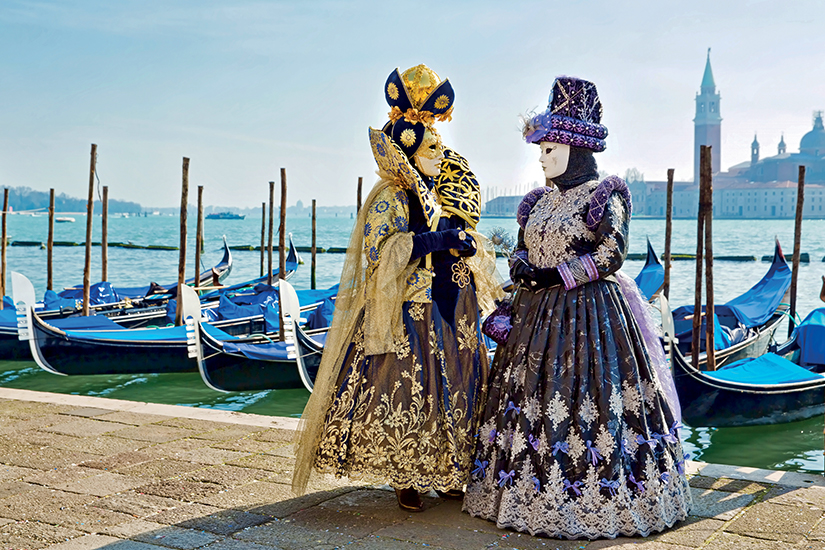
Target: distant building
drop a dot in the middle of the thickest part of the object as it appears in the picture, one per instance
(502, 207)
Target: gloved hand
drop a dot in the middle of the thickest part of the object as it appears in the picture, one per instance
(439, 241)
(547, 277)
(533, 277)
(522, 272)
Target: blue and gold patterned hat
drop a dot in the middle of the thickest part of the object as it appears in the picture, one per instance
(417, 98)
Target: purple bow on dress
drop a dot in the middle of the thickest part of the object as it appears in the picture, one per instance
(612, 485)
(504, 477)
(623, 445)
(481, 467)
(593, 453)
(492, 437)
(562, 446)
(639, 485)
(640, 439)
(534, 442)
(573, 487)
(665, 477)
(680, 465)
(536, 483)
(512, 407)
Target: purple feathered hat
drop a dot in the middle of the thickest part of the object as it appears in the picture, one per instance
(573, 116)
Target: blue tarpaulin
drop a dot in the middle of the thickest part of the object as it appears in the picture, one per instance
(758, 304)
(99, 294)
(766, 369)
(272, 351)
(810, 335)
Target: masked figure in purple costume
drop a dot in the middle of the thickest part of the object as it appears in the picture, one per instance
(403, 371)
(580, 435)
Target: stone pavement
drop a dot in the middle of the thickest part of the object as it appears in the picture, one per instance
(79, 473)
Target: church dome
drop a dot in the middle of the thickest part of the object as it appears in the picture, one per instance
(813, 143)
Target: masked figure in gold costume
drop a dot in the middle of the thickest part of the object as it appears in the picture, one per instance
(403, 368)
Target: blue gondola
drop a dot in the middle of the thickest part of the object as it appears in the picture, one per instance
(258, 363)
(751, 387)
(136, 313)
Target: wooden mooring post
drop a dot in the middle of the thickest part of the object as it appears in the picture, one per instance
(358, 198)
(710, 323)
(312, 262)
(700, 246)
(87, 266)
(668, 233)
(263, 236)
(797, 242)
(184, 199)
(104, 236)
(3, 248)
(199, 237)
(50, 243)
(282, 246)
(271, 231)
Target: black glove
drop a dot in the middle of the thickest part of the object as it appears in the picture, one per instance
(547, 277)
(522, 272)
(438, 241)
(532, 277)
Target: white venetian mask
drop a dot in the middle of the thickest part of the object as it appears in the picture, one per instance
(554, 158)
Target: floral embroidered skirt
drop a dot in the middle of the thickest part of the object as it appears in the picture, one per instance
(577, 440)
(409, 417)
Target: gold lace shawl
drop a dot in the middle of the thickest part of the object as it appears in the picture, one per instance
(381, 298)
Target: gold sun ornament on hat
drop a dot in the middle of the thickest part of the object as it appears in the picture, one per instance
(418, 98)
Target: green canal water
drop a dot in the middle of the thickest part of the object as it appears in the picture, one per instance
(794, 446)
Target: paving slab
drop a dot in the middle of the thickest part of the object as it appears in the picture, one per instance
(728, 485)
(132, 418)
(234, 544)
(160, 468)
(289, 536)
(775, 522)
(162, 535)
(136, 504)
(34, 534)
(209, 455)
(269, 462)
(88, 412)
(152, 432)
(247, 445)
(93, 542)
(9, 472)
(172, 449)
(102, 484)
(230, 433)
(219, 522)
(188, 491)
(227, 475)
(718, 504)
(437, 535)
(729, 541)
(120, 460)
(84, 427)
(83, 518)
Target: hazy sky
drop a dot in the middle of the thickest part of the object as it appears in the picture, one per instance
(246, 87)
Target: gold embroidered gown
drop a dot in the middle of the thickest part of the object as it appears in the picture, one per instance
(577, 439)
(407, 415)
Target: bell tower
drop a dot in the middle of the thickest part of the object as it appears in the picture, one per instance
(708, 122)
(754, 151)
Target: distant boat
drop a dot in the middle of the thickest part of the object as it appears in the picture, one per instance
(224, 216)
(64, 219)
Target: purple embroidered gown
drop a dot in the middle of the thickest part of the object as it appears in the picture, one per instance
(577, 439)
